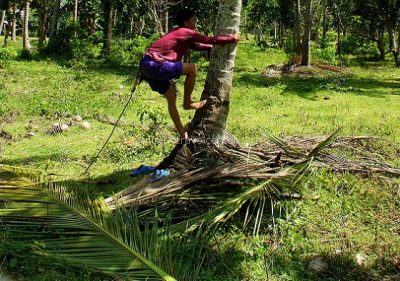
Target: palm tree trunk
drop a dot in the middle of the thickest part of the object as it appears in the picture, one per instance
(25, 29)
(14, 22)
(209, 123)
(54, 19)
(381, 44)
(9, 27)
(3, 15)
(42, 12)
(305, 61)
(339, 42)
(108, 24)
(297, 28)
(75, 7)
(396, 50)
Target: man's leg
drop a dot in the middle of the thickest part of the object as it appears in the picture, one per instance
(190, 70)
(170, 95)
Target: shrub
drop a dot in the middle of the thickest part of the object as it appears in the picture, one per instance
(61, 43)
(83, 52)
(359, 46)
(6, 55)
(129, 52)
(327, 55)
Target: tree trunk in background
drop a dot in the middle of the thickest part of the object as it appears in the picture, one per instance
(25, 28)
(339, 41)
(3, 16)
(14, 22)
(297, 28)
(281, 34)
(107, 28)
(75, 7)
(166, 23)
(115, 18)
(381, 44)
(324, 22)
(305, 60)
(54, 19)
(391, 37)
(246, 26)
(396, 51)
(42, 15)
(9, 27)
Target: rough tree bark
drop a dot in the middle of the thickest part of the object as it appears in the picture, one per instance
(339, 39)
(381, 44)
(3, 15)
(155, 7)
(209, 123)
(54, 19)
(8, 29)
(42, 16)
(75, 8)
(396, 51)
(108, 24)
(14, 22)
(305, 59)
(25, 29)
(297, 28)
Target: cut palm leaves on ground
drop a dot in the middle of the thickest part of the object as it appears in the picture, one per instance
(90, 236)
(268, 160)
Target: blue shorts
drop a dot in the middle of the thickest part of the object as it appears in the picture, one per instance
(159, 74)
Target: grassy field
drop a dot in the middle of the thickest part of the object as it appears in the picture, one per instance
(341, 215)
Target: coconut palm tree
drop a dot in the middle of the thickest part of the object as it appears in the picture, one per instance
(54, 18)
(25, 29)
(210, 121)
(307, 33)
(3, 16)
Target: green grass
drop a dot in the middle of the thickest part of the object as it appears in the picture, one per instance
(339, 212)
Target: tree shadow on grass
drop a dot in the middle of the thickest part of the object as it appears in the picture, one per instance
(105, 185)
(307, 88)
(101, 66)
(274, 264)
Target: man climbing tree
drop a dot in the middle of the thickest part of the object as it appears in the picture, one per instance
(162, 63)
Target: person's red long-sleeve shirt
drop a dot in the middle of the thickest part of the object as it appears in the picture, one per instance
(173, 45)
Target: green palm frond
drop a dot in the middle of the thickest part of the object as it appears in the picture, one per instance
(91, 235)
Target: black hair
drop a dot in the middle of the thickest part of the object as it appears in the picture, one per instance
(183, 15)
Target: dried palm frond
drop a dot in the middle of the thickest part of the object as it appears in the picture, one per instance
(264, 161)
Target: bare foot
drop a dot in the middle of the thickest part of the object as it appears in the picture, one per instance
(195, 105)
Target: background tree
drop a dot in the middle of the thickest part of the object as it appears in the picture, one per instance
(107, 26)
(54, 20)
(25, 29)
(75, 11)
(297, 28)
(308, 16)
(2, 18)
(14, 21)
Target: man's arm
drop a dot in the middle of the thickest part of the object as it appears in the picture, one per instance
(213, 40)
(201, 47)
